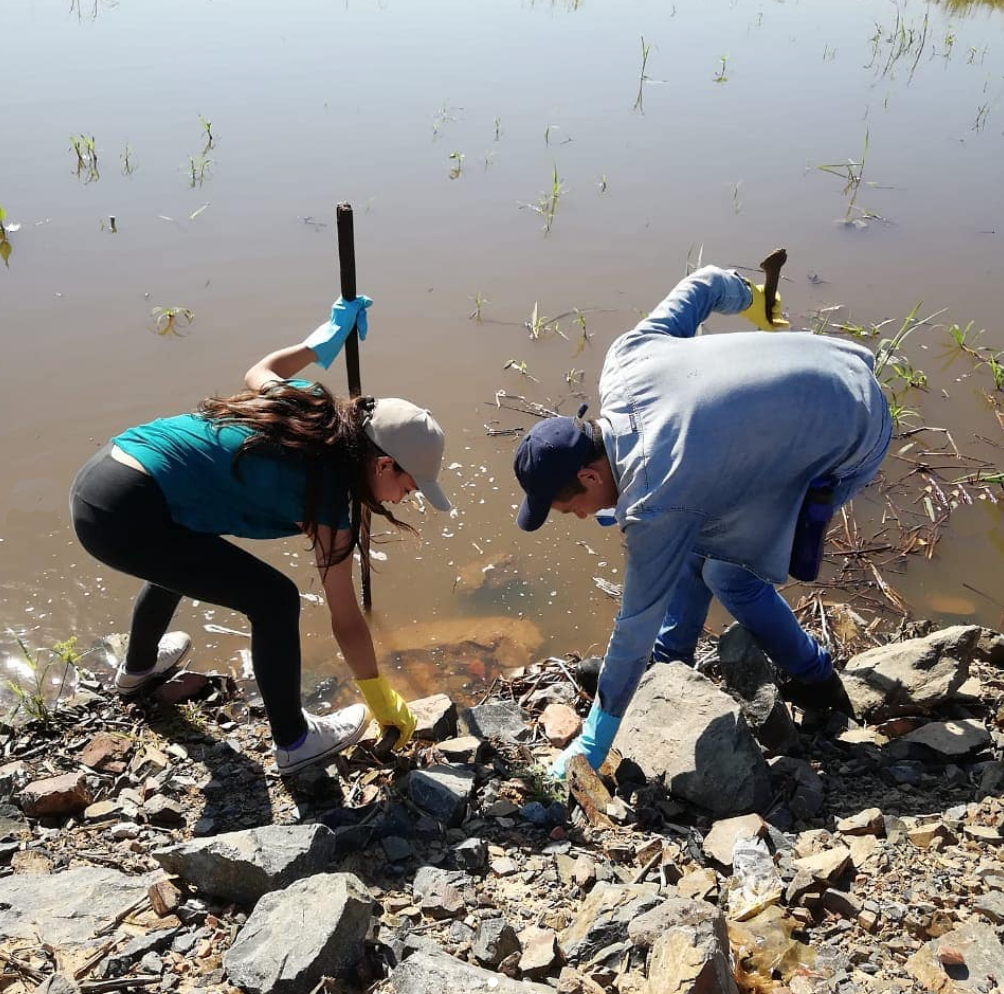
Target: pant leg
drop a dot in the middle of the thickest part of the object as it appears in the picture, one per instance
(685, 616)
(121, 518)
(758, 607)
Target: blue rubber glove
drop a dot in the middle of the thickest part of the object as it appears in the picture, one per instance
(327, 341)
(594, 742)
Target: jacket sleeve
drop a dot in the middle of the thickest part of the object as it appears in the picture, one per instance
(703, 292)
(657, 546)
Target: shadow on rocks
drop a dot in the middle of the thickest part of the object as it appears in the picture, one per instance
(237, 796)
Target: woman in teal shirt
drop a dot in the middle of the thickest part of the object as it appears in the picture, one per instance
(282, 458)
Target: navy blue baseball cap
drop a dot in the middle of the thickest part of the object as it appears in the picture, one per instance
(548, 457)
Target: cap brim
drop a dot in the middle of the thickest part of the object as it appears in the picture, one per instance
(533, 512)
(433, 493)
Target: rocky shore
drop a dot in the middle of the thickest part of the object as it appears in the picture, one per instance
(731, 844)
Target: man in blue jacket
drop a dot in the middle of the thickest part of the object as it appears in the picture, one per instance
(706, 447)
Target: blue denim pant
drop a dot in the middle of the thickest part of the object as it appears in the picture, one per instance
(753, 602)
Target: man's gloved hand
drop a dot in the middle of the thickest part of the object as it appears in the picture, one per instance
(594, 741)
(327, 341)
(388, 707)
(823, 695)
(757, 311)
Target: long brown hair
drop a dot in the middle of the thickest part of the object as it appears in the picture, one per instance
(326, 431)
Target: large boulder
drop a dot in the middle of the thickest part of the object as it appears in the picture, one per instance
(692, 957)
(439, 973)
(915, 675)
(66, 908)
(242, 866)
(314, 928)
(975, 944)
(686, 734)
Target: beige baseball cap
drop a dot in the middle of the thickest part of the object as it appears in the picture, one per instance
(412, 437)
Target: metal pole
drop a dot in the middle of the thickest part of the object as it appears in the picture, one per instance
(347, 267)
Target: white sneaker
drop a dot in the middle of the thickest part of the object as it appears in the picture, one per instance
(325, 736)
(170, 651)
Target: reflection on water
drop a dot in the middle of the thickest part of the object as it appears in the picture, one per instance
(638, 150)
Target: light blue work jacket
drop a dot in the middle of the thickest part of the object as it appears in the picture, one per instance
(713, 441)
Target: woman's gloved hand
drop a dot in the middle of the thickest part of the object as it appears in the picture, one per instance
(594, 741)
(757, 310)
(327, 341)
(388, 707)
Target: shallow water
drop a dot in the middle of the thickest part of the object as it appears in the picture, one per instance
(365, 102)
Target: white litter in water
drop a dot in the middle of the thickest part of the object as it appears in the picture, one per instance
(220, 630)
(312, 598)
(455, 465)
(247, 670)
(610, 589)
(380, 557)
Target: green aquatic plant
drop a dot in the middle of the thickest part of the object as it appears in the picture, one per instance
(574, 376)
(498, 128)
(128, 165)
(642, 76)
(603, 183)
(886, 355)
(207, 127)
(547, 204)
(479, 302)
(720, 76)
(168, 320)
(852, 173)
(87, 157)
(899, 413)
(737, 204)
(457, 158)
(584, 337)
(30, 700)
(6, 249)
(996, 367)
(965, 337)
(198, 165)
(521, 367)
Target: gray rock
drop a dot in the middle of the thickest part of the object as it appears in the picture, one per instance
(314, 928)
(397, 849)
(496, 720)
(990, 906)
(471, 855)
(436, 717)
(604, 918)
(494, 940)
(66, 908)
(440, 893)
(915, 674)
(138, 947)
(56, 984)
(438, 973)
(686, 734)
(749, 677)
(949, 738)
(802, 786)
(242, 866)
(646, 929)
(442, 792)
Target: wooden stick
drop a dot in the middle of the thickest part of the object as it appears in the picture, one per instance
(347, 267)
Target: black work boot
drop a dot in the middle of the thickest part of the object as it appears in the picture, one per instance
(823, 695)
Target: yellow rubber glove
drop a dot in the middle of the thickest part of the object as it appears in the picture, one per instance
(388, 707)
(757, 311)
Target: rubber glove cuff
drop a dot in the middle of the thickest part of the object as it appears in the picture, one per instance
(594, 742)
(756, 313)
(327, 340)
(388, 707)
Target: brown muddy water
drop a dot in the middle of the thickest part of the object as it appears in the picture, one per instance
(444, 123)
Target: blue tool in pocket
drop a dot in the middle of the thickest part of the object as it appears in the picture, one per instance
(810, 530)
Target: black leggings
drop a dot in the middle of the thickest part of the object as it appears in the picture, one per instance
(122, 519)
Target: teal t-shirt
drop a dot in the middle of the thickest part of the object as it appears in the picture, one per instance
(191, 458)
